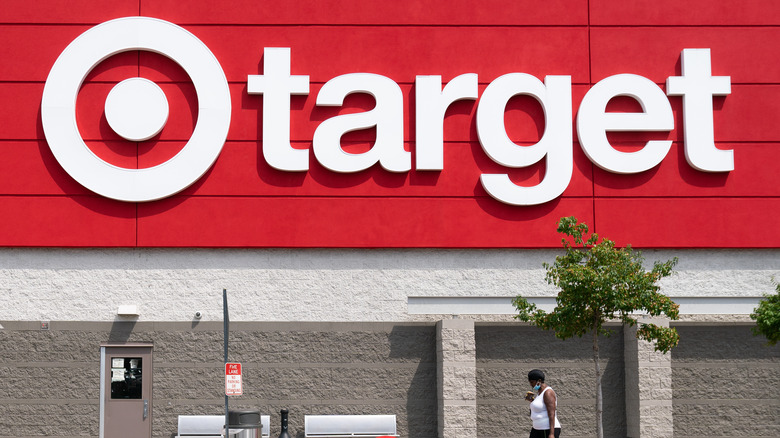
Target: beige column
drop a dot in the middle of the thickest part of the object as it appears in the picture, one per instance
(648, 386)
(457, 378)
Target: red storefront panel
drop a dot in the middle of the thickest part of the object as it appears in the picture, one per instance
(71, 11)
(690, 222)
(431, 12)
(20, 114)
(30, 51)
(29, 168)
(242, 201)
(323, 52)
(674, 177)
(688, 12)
(66, 221)
(351, 222)
(402, 52)
(743, 53)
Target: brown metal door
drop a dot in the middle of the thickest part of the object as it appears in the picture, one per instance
(128, 392)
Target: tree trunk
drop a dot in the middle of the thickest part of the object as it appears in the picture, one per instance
(599, 401)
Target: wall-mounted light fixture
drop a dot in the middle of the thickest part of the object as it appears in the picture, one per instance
(127, 310)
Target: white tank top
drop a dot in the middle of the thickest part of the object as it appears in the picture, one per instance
(539, 412)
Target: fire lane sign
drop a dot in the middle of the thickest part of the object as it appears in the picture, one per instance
(233, 384)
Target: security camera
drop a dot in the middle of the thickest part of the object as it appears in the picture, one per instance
(198, 315)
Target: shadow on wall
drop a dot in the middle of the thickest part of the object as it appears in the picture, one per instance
(505, 354)
(707, 343)
(418, 344)
(720, 370)
(121, 330)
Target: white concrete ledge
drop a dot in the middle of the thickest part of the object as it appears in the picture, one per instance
(503, 305)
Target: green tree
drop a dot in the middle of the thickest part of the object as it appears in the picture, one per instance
(767, 317)
(599, 283)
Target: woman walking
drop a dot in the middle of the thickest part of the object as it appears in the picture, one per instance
(544, 406)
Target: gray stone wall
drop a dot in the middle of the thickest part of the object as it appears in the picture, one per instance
(505, 354)
(725, 382)
(50, 379)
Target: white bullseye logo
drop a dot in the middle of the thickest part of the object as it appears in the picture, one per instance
(136, 109)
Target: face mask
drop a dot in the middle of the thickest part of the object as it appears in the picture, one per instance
(538, 385)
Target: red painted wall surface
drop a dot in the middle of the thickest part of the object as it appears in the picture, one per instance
(243, 202)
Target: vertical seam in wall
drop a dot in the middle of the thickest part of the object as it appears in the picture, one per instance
(137, 145)
(590, 85)
(137, 165)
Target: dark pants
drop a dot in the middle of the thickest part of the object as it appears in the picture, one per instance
(544, 433)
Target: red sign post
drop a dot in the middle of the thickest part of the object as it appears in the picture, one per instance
(233, 384)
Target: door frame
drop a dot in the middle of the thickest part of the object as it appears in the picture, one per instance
(103, 376)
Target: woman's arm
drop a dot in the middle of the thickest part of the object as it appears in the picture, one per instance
(549, 403)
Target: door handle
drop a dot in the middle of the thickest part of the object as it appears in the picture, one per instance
(146, 408)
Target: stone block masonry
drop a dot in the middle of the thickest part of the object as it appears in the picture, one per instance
(507, 351)
(648, 385)
(456, 371)
(50, 379)
(452, 378)
(314, 284)
(725, 383)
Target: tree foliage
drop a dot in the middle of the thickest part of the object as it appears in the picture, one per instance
(767, 317)
(598, 283)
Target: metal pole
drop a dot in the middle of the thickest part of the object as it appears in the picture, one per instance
(226, 325)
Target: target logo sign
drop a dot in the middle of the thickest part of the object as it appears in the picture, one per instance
(136, 109)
